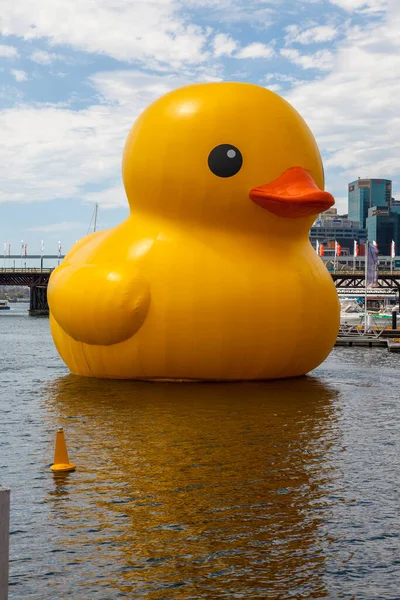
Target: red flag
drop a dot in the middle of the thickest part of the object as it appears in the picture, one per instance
(321, 250)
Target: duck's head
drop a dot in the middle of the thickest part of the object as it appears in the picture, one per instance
(228, 154)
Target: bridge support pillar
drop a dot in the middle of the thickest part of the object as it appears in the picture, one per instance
(38, 301)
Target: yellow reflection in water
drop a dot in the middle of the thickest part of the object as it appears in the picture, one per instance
(195, 490)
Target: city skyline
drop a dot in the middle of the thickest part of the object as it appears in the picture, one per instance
(373, 214)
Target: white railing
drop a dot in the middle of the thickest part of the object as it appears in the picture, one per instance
(25, 270)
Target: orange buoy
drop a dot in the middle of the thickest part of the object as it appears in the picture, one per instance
(61, 460)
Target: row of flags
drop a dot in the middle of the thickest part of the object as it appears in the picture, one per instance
(24, 248)
(320, 249)
(371, 257)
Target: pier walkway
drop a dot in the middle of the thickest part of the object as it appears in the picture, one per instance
(375, 337)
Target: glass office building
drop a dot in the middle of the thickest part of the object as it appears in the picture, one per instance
(363, 194)
(383, 226)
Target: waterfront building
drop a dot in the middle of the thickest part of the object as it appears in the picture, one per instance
(374, 215)
(363, 194)
(395, 205)
(339, 229)
(328, 215)
(383, 226)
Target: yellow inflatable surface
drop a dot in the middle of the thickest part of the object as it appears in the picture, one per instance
(212, 275)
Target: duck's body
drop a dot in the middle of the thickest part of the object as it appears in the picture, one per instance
(204, 290)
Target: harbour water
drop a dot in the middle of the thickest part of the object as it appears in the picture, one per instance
(266, 490)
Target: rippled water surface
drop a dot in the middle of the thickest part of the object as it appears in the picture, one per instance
(267, 490)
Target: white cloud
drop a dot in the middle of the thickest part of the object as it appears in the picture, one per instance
(322, 60)
(223, 45)
(341, 204)
(8, 51)
(111, 197)
(282, 77)
(44, 58)
(259, 14)
(133, 88)
(354, 110)
(370, 6)
(52, 152)
(56, 227)
(316, 34)
(10, 94)
(256, 50)
(154, 33)
(19, 75)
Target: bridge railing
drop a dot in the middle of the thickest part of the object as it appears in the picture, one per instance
(351, 264)
(381, 272)
(25, 270)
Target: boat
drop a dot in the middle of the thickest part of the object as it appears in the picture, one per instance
(4, 305)
(385, 315)
(351, 313)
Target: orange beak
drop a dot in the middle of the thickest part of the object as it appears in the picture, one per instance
(294, 194)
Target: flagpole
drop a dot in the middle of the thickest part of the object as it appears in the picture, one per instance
(335, 263)
(392, 253)
(366, 293)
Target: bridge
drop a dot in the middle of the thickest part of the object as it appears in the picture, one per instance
(36, 279)
(347, 273)
(353, 284)
(15, 272)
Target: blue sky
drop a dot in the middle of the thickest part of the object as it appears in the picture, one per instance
(74, 76)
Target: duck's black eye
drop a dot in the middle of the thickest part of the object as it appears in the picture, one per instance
(225, 160)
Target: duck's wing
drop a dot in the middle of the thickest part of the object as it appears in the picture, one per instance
(96, 304)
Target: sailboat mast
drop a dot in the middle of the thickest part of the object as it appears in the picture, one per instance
(95, 217)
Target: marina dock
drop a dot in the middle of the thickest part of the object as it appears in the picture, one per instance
(355, 336)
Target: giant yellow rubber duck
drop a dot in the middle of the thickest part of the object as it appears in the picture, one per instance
(212, 275)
